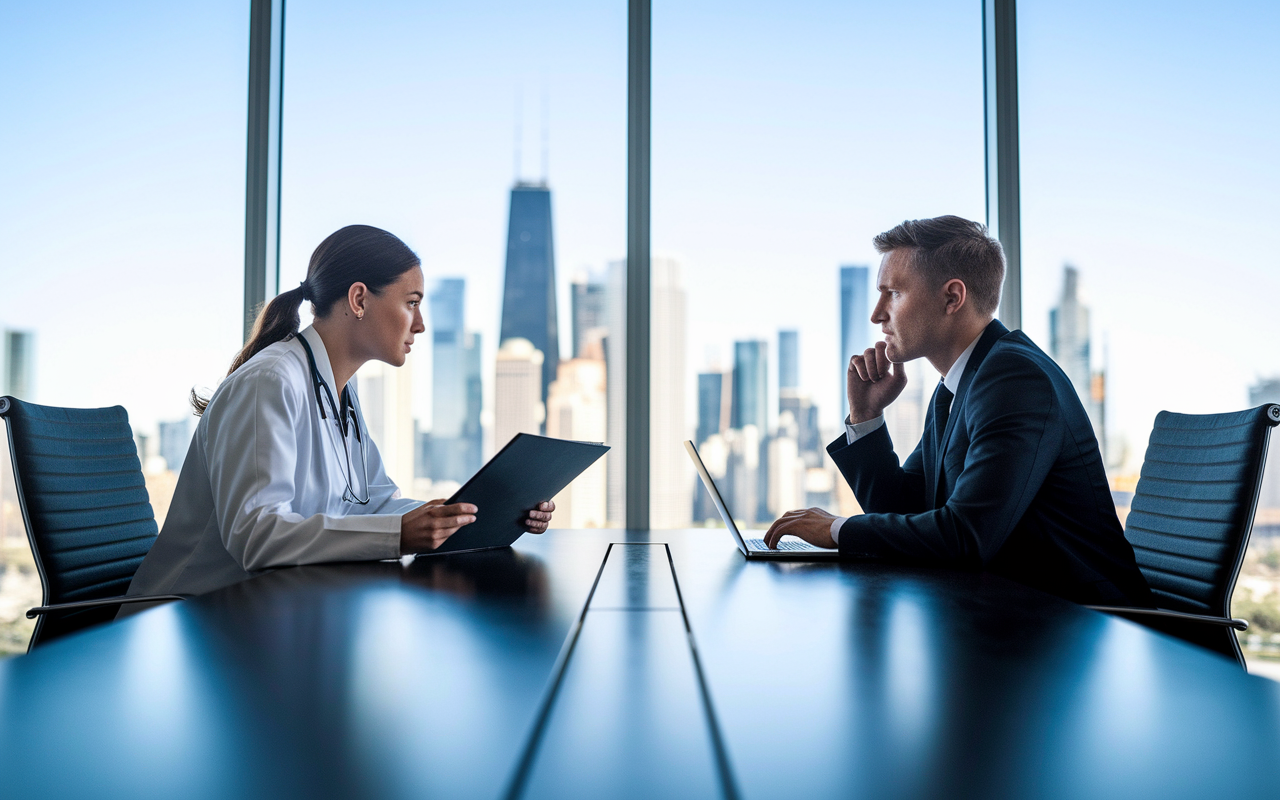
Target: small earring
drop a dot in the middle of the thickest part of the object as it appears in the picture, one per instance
(360, 315)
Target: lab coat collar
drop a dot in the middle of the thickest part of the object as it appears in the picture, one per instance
(322, 359)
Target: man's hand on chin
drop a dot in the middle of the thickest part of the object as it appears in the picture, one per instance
(811, 524)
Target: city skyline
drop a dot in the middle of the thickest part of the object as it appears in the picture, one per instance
(435, 172)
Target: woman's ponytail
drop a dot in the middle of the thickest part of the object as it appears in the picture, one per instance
(277, 321)
(354, 254)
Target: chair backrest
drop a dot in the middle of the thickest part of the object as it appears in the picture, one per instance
(83, 499)
(1193, 508)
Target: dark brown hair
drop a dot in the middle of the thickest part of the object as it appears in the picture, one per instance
(952, 247)
(354, 254)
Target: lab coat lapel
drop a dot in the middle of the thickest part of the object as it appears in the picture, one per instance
(994, 331)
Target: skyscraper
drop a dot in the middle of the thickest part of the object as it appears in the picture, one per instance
(386, 398)
(714, 392)
(447, 302)
(670, 471)
(1070, 346)
(904, 417)
(803, 427)
(529, 292)
(589, 299)
(743, 474)
(18, 378)
(804, 416)
(576, 410)
(788, 359)
(750, 385)
(455, 386)
(517, 389)
(175, 440)
(786, 470)
(472, 428)
(855, 319)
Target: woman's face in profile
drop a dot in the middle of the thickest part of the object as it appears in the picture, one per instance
(392, 318)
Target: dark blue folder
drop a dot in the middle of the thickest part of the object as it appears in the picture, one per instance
(529, 470)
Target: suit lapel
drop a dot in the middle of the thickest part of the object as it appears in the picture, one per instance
(994, 332)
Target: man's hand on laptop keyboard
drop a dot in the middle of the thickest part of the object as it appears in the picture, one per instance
(811, 524)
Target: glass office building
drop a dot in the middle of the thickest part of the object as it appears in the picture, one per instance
(529, 287)
(855, 311)
(455, 440)
(750, 385)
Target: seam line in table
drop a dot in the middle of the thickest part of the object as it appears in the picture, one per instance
(523, 767)
(728, 784)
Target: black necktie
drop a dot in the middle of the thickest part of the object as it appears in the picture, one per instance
(941, 410)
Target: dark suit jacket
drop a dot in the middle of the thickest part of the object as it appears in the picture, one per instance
(1018, 488)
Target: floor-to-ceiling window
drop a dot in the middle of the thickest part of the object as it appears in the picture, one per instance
(784, 139)
(121, 227)
(1148, 140)
(490, 137)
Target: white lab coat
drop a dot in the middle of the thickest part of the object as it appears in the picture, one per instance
(262, 484)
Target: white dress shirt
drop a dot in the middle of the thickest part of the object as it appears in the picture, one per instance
(263, 482)
(857, 430)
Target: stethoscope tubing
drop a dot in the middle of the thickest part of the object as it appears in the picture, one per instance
(349, 406)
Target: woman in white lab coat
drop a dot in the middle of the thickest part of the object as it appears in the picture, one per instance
(281, 470)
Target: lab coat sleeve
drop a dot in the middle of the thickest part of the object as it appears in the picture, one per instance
(252, 460)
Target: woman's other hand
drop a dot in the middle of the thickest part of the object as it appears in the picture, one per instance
(428, 526)
(539, 518)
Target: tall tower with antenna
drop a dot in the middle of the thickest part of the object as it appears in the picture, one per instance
(546, 136)
(529, 290)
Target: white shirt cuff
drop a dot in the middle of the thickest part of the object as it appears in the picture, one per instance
(835, 528)
(856, 430)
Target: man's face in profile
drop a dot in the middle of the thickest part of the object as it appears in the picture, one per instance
(907, 310)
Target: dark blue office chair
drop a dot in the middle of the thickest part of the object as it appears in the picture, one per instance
(1190, 520)
(85, 507)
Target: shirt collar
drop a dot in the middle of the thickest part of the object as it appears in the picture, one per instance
(322, 358)
(952, 379)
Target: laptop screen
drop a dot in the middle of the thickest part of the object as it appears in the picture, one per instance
(715, 495)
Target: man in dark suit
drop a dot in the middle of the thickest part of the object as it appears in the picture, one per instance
(1008, 477)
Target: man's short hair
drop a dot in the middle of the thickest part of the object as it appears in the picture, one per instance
(952, 247)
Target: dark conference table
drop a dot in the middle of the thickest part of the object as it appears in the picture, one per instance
(611, 664)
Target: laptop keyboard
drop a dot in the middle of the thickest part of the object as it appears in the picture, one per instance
(758, 544)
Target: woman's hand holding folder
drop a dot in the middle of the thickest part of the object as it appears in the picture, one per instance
(428, 526)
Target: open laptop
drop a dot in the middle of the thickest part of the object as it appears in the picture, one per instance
(789, 548)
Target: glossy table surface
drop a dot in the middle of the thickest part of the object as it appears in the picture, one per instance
(614, 664)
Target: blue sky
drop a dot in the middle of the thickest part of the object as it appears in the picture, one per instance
(783, 139)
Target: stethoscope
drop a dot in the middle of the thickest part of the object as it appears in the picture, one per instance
(340, 415)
